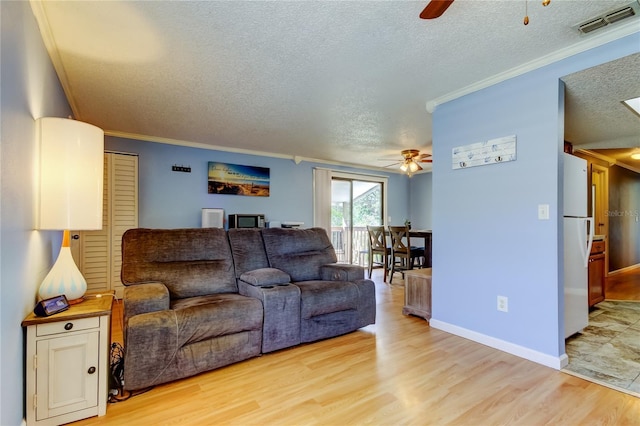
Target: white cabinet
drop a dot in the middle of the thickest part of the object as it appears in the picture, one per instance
(67, 369)
(68, 363)
(98, 253)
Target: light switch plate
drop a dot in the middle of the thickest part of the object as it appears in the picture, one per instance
(543, 211)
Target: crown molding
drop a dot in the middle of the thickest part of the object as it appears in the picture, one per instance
(611, 161)
(295, 158)
(37, 7)
(591, 42)
(179, 142)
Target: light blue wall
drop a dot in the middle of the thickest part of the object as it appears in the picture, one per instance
(30, 89)
(420, 200)
(483, 245)
(174, 199)
(487, 238)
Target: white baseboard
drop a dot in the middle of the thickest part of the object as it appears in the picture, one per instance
(557, 363)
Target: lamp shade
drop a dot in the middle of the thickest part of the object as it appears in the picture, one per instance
(71, 174)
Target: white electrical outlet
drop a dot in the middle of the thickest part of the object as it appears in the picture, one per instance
(503, 304)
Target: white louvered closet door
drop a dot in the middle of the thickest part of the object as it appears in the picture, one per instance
(98, 253)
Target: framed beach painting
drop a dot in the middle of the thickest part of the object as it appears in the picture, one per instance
(235, 179)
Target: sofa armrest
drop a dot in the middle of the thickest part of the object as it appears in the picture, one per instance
(144, 298)
(151, 344)
(265, 277)
(341, 272)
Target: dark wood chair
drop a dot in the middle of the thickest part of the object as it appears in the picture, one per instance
(403, 255)
(379, 250)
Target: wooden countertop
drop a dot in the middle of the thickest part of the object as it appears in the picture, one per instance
(95, 304)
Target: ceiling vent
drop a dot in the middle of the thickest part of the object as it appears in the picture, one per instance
(611, 17)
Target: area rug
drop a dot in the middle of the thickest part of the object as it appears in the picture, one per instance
(607, 352)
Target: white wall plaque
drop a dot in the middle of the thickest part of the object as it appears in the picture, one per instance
(493, 151)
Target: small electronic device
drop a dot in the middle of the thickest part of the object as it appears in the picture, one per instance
(52, 305)
(212, 218)
(246, 221)
(292, 224)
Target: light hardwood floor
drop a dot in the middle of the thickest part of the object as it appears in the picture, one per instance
(624, 285)
(398, 371)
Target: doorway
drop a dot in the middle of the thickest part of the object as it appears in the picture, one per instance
(355, 203)
(600, 206)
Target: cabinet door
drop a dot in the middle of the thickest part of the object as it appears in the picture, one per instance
(98, 253)
(67, 374)
(596, 279)
(91, 248)
(123, 211)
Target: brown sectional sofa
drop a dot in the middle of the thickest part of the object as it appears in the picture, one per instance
(199, 299)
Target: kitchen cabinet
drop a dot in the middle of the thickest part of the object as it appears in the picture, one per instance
(596, 273)
(67, 362)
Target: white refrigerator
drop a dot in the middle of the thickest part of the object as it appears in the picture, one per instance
(578, 237)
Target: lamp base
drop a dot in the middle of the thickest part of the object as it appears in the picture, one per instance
(64, 277)
(76, 301)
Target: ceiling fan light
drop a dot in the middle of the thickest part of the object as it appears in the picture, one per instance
(413, 166)
(635, 156)
(404, 167)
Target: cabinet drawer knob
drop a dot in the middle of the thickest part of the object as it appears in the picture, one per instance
(68, 326)
(91, 370)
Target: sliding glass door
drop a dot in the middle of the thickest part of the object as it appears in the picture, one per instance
(355, 203)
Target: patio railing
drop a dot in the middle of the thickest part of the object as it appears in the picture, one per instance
(358, 245)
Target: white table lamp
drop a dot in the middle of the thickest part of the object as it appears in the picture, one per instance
(71, 179)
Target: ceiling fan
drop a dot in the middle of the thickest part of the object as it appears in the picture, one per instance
(436, 8)
(410, 159)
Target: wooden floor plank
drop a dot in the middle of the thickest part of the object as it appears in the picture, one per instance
(623, 285)
(398, 371)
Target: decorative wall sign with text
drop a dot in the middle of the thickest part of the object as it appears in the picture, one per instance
(500, 150)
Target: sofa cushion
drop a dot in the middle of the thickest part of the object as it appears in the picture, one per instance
(190, 262)
(324, 297)
(298, 252)
(247, 249)
(265, 277)
(205, 317)
(161, 347)
(341, 272)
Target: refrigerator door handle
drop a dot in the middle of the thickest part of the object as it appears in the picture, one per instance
(589, 222)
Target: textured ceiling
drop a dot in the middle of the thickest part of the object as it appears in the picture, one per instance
(607, 85)
(336, 81)
(597, 119)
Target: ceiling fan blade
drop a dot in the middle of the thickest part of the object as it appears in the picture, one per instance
(393, 164)
(424, 161)
(435, 8)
